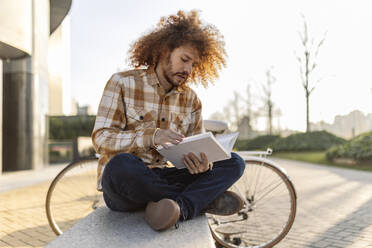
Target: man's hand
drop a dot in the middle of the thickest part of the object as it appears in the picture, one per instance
(194, 165)
(162, 137)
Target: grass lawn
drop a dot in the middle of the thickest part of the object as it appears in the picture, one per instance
(319, 158)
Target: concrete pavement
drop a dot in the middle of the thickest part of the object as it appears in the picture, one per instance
(334, 209)
(23, 222)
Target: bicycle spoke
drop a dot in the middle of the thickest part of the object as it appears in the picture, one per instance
(269, 191)
(268, 210)
(278, 198)
(268, 184)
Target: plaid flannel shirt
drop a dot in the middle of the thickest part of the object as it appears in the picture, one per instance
(133, 105)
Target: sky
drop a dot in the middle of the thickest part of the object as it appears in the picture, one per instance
(259, 35)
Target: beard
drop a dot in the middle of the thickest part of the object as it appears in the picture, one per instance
(169, 74)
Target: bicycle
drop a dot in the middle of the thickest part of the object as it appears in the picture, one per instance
(269, 195)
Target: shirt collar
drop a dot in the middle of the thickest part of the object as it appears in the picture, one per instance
(153, 80)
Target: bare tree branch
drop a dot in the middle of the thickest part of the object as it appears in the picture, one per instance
(311, 90)
(313, 67)
(307, 64)
(320, 44)
(299, 59)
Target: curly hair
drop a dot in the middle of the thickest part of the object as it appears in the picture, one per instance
(178, 30)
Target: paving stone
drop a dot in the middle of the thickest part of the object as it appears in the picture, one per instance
(341, 243)
(321, 244)
(335, 202)
(3, 244)
(343, 234)
(35, 242)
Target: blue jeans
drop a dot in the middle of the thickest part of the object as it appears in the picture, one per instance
(128, 184)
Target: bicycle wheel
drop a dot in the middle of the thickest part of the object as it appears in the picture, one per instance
(72, 195)
(269, 210)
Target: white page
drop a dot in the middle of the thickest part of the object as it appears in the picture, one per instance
(205, 142)
(189, 139)
(228, 140)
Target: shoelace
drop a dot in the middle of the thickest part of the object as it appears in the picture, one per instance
(182, 210)
(180, 203)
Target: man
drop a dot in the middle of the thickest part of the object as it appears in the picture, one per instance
(143, 108)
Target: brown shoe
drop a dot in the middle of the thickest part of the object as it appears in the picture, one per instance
(227, 203)
(162, 214)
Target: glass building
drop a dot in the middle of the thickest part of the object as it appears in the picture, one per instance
(26, 27)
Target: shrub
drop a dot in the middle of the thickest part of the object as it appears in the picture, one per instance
(358, 148)
(70, 127)
(310, 141)
(260, 142)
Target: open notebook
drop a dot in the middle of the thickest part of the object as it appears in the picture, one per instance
(216, 148)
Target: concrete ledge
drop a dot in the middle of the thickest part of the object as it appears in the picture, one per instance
(106, 228)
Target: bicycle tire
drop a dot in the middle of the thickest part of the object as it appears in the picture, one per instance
(72, 194)
(255, 226)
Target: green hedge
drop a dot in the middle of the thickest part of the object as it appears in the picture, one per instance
(358, 148)
(310, 141)
(260, 142)
(70, 127)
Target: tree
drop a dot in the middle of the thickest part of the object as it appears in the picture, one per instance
(234, 111)
(307, 62)
(235, 105)
(269, 104)
(248, 102)
(227, 114)
(249, 111)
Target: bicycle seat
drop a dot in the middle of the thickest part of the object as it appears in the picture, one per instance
(215, 126)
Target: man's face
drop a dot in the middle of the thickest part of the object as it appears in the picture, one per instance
(178, 65)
